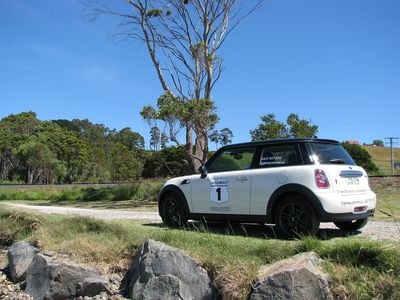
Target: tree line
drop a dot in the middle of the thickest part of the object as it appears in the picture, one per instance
(78, 151)
(74, 151)
(63, 151)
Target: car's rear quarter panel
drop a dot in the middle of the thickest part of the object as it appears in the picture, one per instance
(266, 181)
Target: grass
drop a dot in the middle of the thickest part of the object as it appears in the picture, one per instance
(145, 190)
(381, 157)
(359, 269)
(388, 200)
(145, 195)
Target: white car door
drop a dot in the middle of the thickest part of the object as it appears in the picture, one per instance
(226, 188)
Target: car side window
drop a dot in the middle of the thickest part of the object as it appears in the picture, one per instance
(279, 156)
(232, 160)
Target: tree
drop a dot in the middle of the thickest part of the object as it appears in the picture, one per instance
(222, 137)
(378, 143)
(15, 130)
(155, 138)
(299, 128)
(40, 163)
(132, 140)
(361, 157)
(272, 129)
(183, 39)
(163, 140)
(214, 137)
(169, 162)
(269, 129)
(226, 136)
(63, 151)
(124, 166)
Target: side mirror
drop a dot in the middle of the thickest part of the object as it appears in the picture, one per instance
(203, 171)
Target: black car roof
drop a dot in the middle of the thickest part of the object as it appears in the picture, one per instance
(280, 141)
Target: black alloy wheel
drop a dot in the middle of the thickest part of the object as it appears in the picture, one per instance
(172, 212)
(295, 218)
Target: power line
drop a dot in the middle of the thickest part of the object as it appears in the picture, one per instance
(391, 139)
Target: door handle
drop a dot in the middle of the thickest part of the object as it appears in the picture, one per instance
(242, 178)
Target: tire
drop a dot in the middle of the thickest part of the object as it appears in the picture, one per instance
(172, 212)
(295, 217)
(352, 225)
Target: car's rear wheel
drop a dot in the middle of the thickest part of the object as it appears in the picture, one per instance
(172, 211)
(295, 217)
(351, 225)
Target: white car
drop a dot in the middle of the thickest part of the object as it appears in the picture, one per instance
(292, 183)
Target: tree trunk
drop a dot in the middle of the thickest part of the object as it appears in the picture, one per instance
(30, 176)
(197, 151)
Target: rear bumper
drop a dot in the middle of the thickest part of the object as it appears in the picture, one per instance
(347, 204)
(329, 217)
(339, 208)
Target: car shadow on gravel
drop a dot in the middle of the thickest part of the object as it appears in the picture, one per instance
(252, 230)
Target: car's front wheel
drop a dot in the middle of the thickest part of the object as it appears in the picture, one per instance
(351, 225)
(295, 217)
(172, 212)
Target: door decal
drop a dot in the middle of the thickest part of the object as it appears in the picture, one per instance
(219, 190)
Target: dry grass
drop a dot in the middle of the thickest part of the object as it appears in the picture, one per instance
(381, 157)
(388, 199)
(235, 282)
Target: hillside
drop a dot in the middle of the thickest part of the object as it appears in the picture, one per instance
(381, 157)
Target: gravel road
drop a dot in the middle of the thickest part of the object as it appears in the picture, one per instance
(375, 230)
(105, 214)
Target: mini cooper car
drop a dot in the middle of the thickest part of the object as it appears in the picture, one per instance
(292, 183)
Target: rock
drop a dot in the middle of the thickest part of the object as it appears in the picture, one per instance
(299, 277)
(51, 279)
(20, 256)
(6, 239)
(162, 272)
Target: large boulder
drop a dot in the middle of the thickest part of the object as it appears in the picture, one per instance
(48, 278)
(299, 277)
(20, 256)
(162, 272)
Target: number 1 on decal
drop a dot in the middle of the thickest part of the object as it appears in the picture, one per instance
(218, 193)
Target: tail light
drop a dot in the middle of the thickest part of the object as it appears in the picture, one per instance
(321, 179)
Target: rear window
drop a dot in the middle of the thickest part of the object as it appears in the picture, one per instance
(330, 154)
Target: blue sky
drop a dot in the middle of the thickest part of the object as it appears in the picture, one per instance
(334, 62)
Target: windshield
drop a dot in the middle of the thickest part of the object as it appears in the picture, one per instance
(324, 153)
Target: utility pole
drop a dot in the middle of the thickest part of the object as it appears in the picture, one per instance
(391, 139)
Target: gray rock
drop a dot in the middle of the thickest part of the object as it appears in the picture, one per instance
(299, 277)
(51, 279)
(162, 272)
(20, 256)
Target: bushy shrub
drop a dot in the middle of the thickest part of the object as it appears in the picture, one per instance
(169, 162)
(126, 191)
(361, 157)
